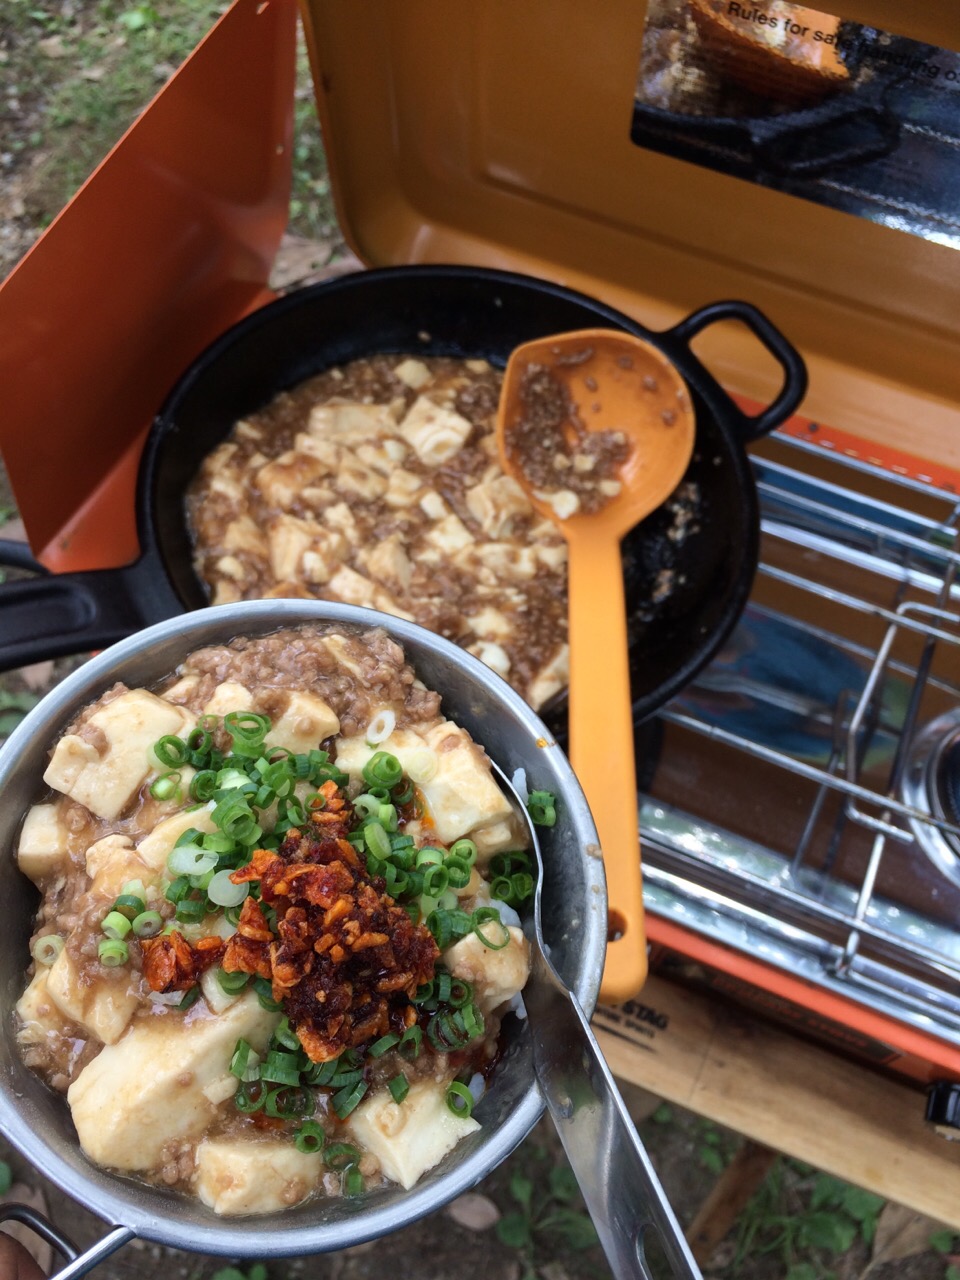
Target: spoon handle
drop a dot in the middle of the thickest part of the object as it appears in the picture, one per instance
(601, 746)
(637, 1227)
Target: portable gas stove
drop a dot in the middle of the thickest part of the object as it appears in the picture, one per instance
(800, 820)
(803, 812)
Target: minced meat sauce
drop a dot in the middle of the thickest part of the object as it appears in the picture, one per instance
(567, 465)
(323, 932)
(379, 484)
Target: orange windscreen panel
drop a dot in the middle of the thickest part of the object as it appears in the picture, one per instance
(170, 240)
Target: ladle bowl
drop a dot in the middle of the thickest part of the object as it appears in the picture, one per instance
(617, 383)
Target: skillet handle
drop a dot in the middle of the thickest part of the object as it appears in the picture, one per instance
(78, 1264)
(786, 355)
(66, 613)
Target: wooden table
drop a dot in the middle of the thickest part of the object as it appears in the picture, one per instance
(784, 1093)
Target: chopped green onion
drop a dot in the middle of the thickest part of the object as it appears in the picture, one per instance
(380, 1047)
(114, 925)
(449, 926)
(458, 872)
(472, 1020)
(399, 1087)
(190, 860)
(235, 819)
(134, 887)
(337, 1155)
(203, 785)
(382, 769)
(366, 805)
(377, 840)
(410, 1042)
(264, 989)
(287, 1103)
(250, 1096)
(348, 1098)
(147, 924)
(351, 1182)
(189, 998)
(447, 1032)
(166, 787)
(403, 793)
(461, 993)
(542, 808)
(387, 817)
(322, 1072)
(435, 880)
(129, 905)
(46, 948)
(240, 1059)
(309, 1138)
(464, 849)
(459, 1099)
(113, 952)
(485, 916)
(286, 1036)
(428, 856)
(177, 889)
(199, 741)
(280, 1068)
(224, 893)
(191, 910)
(514, 890)
(248, 730)
(171, 751)
(233, 982)
(507, 864)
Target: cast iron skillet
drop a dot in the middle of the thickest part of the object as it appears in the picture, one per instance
(847, 129)
(433, 310)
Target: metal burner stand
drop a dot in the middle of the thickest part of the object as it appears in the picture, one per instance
(859, 569)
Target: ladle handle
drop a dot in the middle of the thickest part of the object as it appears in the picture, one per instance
(601, 749)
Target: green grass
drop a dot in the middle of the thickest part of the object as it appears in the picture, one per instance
(76, 83)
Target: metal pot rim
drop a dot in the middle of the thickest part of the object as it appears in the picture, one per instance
(40, 1127)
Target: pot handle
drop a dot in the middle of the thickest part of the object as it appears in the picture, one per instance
(58, 614)
(749, 427)
(78, 1264)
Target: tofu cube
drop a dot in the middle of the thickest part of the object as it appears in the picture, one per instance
(236, 1176)
(103, 1008)
(155, 849)
(227, 697)
(410, 1137)
(107, 783)
(148, 1088)
(43, 848)
(496, 975)
(462, 793)
(39, 1016)
(434, 432)
(304, 724)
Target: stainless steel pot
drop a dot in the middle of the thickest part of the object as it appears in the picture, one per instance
(37, 1120)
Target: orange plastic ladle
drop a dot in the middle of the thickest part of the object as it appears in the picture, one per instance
(615, 382)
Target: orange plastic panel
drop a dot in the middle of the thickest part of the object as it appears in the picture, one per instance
(168, 242)
(499, 133)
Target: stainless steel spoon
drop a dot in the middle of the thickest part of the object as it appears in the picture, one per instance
(637, 1227)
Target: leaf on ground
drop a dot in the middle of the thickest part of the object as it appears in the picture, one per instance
(38, 675)
(513, 1230)
(474, 1211)
(53, 47)
(901, 1233)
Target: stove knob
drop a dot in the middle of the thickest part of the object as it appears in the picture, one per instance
(943, 1108)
